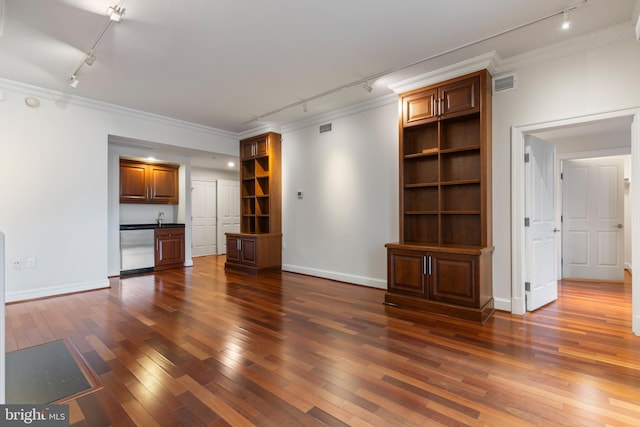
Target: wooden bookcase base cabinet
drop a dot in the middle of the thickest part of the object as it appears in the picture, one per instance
(254, 253)
(450, 281)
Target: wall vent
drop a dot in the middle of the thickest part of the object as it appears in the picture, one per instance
(325, 128)
(504, 83)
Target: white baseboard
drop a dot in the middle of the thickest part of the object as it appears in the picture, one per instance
(341, 277)
(502, 304)
(55, 290)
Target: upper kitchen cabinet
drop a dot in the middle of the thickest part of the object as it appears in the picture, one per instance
(148, 182)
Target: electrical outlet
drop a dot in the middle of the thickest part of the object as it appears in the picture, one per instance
(17, 264)
(31, 263)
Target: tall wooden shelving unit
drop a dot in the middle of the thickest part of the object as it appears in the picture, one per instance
(442, 263)
(258, 246)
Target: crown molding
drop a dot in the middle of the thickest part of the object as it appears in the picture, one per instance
(64, 98)
(342, 112)
(488, 61)
(611, 35)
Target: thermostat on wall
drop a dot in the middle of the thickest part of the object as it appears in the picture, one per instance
(299, 194)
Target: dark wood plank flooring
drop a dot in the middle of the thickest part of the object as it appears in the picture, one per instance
(199, 346)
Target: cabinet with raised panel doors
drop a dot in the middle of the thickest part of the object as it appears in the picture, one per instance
(169, 247)
(442, 263)
(152, 183)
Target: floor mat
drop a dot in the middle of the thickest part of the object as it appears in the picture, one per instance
(48, 373)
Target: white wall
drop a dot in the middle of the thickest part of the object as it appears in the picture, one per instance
(601, 79)
(349, 209)
(54, 184)
(204, 174)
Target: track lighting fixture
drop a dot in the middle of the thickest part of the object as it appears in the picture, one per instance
(116, 13)
(566, 23)
(73, 81)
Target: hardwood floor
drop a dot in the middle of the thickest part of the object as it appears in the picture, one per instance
(199, 346)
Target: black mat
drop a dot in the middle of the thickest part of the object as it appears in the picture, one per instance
(44, 374)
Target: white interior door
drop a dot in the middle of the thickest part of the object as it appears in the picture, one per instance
(593, 218)
(229, 211)
(205, 222)
(540, 226)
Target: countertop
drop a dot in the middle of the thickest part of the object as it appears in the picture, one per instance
(150, 226)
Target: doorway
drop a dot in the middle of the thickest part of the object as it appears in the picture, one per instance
(215, 211)
(629, 120)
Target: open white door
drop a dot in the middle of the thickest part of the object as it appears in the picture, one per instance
(228, 211)
(205, 222)
(593, 218)
(540, 234)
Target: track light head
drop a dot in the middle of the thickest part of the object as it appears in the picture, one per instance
(90, 59)
(566, 23)
(73, 81)
(116, 13)
(367, 87)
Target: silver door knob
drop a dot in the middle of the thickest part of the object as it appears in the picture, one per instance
(619, 226)
(555, 230)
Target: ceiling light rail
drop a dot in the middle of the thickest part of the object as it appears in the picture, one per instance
(115, 14)
(373, 77)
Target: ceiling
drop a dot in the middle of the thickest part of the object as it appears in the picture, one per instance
(227, 63)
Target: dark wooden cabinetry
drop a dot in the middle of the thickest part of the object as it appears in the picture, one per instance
(169, 248)
(253, 253)
(258, 246)
(443, 260)
(148, 182)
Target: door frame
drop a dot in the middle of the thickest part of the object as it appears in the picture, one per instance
(517, 204)
(215, 182)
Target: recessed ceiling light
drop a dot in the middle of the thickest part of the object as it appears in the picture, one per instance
(231, 164)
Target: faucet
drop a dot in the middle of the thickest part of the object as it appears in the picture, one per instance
(160, 219)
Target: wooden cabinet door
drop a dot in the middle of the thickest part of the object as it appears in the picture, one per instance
(246, 150)
(133, 187)
(248, 253)
(419, 108)
(460, 98)
(163, 183)
(233, 253)
(254, 148)
(406, 272)
(262, 147)
(169, 247)
(453, 278)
